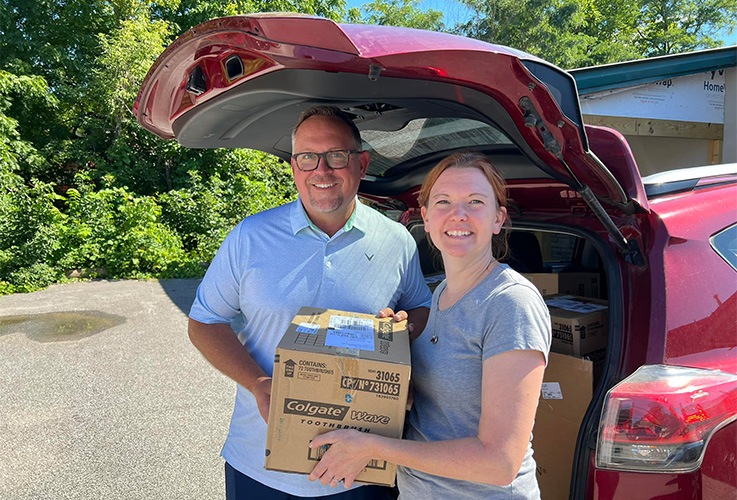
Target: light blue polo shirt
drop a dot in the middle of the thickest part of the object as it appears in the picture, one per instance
(277, 261)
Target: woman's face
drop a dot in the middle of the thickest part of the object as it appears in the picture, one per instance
(462, 213)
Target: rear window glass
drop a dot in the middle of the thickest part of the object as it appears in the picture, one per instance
(426, 136)
(725, 244)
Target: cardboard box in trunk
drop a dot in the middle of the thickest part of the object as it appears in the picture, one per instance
(566, 394)
(581, 284)
(337, 370)
(546, 283)
(580, 325)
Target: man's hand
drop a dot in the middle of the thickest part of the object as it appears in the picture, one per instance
(262, 392)
(219, 344)
(388, 312)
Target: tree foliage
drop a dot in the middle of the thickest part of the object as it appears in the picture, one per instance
(20, 95)
(406, 13)
(576, 33)
(553, 28)
(673, 26)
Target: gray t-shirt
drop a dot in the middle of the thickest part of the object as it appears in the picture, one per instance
(504, 312)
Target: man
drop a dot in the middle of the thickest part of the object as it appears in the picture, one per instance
(324, 250)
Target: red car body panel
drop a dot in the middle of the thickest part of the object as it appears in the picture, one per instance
(701, 310)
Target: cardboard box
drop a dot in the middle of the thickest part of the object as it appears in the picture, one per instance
(581, 284)
(566, 394)
(337, 370)
(580, 324)
(547, 283)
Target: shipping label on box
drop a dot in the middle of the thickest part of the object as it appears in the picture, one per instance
(566, 395)
(580, 325)
(337, 370)
(546, 283)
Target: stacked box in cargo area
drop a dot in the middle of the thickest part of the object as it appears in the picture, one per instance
(566, 394)
(546, 283)
(337, 370)
(580, 324)
(582, 284)
(577, 284)
(580, 328)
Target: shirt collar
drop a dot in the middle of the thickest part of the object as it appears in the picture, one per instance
(300, 220)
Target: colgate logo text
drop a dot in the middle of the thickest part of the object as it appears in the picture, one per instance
(315, 409)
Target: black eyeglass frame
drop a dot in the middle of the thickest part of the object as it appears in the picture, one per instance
(324, 157)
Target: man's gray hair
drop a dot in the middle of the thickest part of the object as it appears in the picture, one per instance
(332, 112)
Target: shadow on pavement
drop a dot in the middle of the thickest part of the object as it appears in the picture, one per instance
(181, 292)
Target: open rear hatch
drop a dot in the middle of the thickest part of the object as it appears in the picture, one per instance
(241, 82)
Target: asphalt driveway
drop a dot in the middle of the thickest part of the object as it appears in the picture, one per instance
(103, 396)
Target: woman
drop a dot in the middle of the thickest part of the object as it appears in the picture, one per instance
(477, 368)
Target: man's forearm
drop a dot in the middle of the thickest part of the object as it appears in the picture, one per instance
(220, 346)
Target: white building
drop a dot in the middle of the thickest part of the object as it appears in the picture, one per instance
(675, 111)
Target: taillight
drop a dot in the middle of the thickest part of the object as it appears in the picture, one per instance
(661, 417)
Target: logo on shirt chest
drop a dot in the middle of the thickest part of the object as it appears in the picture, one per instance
(369, 257)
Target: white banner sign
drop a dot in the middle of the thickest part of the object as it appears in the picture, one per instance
(693, 98)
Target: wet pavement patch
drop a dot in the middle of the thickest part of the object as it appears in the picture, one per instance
(59, 326)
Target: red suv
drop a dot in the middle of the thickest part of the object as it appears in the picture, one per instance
(658, 254)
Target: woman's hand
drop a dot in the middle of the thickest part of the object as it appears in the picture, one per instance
(348, 454)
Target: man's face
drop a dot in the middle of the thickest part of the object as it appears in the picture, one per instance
(327, 194)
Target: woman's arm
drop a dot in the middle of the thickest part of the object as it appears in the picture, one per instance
(510, 392)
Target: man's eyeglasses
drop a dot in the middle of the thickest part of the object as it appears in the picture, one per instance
(335, 159)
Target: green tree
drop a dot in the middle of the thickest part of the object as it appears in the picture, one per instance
(576, 33)
(30, 234)
(608, 32)
(188, 13)
(28, 94)
(56, 40)
(125, 56)
(94, 55)
(28, 217)
(208, 209)
(109, 139)
(675, 26)
(115, 233)
(406, 13)
(552, 30)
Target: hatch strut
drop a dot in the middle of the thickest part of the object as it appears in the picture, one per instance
(628, 248)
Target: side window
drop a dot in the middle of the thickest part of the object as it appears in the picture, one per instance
(725, 244)
(557, 250)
